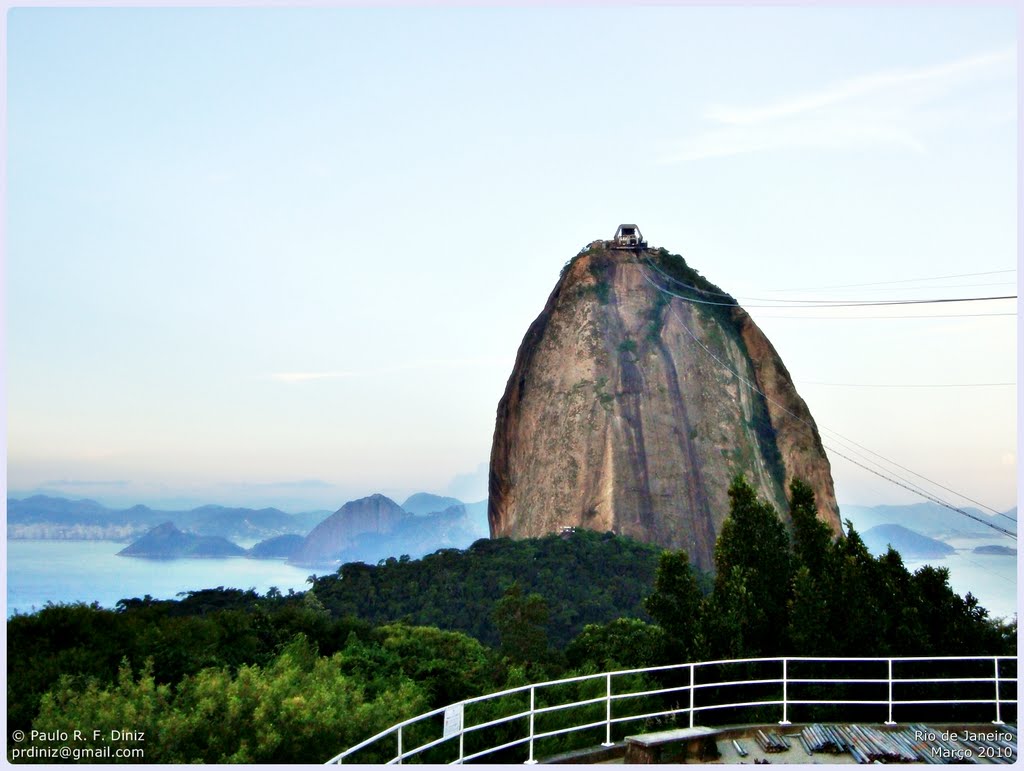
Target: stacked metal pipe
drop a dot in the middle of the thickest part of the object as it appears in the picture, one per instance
(771, 741)
(872, 744)
(823, 738)
(913, 744)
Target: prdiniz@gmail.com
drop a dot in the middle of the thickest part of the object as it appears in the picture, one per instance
(58, 745)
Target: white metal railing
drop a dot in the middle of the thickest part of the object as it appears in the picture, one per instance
(454, 728)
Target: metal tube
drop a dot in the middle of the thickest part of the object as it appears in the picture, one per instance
(784, 720)
(890, 721)
(399, 745)
(692, 682)
(999, 719)
(531, 760)
(608, 712)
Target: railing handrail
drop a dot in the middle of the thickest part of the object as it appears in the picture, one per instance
(390, 729)
(532, 688)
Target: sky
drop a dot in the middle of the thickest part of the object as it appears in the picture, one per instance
(272, 256)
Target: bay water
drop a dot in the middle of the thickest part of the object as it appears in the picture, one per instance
(90, 571)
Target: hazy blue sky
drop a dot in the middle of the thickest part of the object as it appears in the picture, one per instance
(288, 255)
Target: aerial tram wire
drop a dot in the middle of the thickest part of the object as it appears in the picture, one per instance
(929, 497)
(908, 385)
(837, 434)
(895, 281)
(812, 303)
(662, 272)
(907, 484)
(858, 318)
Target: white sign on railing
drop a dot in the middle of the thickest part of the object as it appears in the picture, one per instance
(453, 720)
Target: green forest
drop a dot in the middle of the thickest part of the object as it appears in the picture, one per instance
(228, 675)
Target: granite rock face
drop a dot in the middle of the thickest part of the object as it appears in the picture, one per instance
(631, 409)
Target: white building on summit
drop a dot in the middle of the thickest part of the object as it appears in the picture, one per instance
(628, 237)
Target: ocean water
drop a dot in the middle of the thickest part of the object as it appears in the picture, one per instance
(90, 571)
(991, 578)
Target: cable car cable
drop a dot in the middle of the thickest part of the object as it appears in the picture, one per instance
(914, 488)
(820, 303)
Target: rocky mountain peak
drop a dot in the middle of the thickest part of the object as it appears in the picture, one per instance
(630, 409)
(373, 514)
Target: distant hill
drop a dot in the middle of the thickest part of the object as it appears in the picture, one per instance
(927, 518)
(168, 542)
(376, 514)
(1007, 551)
(47, 509)
(48, 517)
(307, 520)
(909, 544)
(237, 522)
(428, 503)
(375, 528)
(476, 515)
(278, 547)
(414, 536)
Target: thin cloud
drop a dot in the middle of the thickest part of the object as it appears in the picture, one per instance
(304, 377)
(298, 484)
(85, 483)
(884, 108)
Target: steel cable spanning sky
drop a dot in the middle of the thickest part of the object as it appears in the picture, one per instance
(895, 478)
(815, 303)
(896, 281)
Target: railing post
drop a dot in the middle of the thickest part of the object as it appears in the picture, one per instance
(462, 741)
(608, 712)
(999, 719)
(399, 745)
(531, 760)
(890, 721)
(692, 683)
(785, 694)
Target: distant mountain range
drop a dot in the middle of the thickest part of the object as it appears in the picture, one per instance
(931, 519)
(366, 530)
(909, 544)
(375, 528)
(45, 517)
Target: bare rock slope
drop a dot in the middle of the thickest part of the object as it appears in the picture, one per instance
(631, 409)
